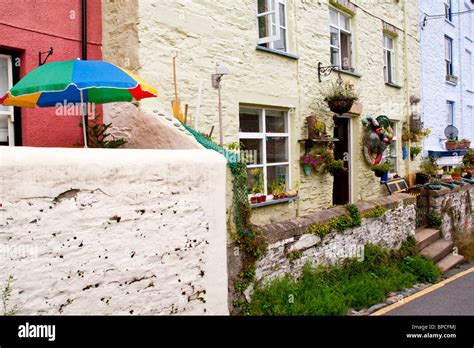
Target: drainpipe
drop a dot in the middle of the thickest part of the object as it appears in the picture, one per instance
(460, 81)
(84, 57)
(405, 63)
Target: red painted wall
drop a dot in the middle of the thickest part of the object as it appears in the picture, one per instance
(30, 26)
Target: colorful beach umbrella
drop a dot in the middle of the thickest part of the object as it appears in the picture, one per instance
(77, 81)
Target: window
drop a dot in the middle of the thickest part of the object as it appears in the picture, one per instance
(272, 24)
(448, 54)
(266, 132)
(340, 39)
(389, 58)
(448, 13)
(6, 112)
(450, 113)
(469, 71)
(391, 153)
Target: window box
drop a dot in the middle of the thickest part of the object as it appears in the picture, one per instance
(452, 79)
(272, 202)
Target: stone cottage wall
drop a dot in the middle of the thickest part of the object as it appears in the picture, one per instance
(113, 231)
(454, 207)
(286, 237)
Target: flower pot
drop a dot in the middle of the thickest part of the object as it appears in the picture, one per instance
(340, 106)
(380, 174)
(384, 177)
(451, 145)
(467, 144)
(307, 169)
(253, 200)
(421, 179)
(262, 199)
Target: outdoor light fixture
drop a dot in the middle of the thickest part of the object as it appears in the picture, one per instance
(221, 70)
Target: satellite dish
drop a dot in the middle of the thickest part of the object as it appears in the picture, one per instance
(451, 132)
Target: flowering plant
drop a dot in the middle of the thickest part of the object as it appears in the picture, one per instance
(308, 160)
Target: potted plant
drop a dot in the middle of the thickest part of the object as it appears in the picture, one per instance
(451, 145)
(435, 184)
(336, 167)
(428, 169)
(316, 127)
(414, 151)
(381, 169)
(457, 173)
(258, 189)
(278, 189)
(466, 143)
(340, 97)
(308, 162)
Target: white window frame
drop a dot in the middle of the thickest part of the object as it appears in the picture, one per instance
(10, 112)
(270, 40)
(448, 10)
(392, 53)
(450, 112)
(263, 135)
(340, 29)
(394, 125)
(448, 55)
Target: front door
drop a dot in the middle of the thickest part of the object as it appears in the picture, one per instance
(341, 186)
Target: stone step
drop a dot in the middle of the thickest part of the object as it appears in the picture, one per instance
(437, 250)
(425, 237)
(449, 262)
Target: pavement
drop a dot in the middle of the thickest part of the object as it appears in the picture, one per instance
(452, 296)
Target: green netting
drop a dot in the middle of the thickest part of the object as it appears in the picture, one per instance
(239, 183)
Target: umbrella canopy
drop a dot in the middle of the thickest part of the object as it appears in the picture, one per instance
(77, 81)
(57, 82)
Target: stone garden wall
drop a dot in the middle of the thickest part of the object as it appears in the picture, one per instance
(291, 246)
(113, 231)
(454, 207)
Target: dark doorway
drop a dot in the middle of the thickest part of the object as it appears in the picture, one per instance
(341, 186)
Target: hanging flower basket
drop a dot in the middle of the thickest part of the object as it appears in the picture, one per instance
(340, 106)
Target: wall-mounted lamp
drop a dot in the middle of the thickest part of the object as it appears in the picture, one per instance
(40, 55)
(221, 70)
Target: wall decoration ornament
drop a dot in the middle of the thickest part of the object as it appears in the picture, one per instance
(377, 137)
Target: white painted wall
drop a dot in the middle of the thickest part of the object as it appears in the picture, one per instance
(435, 90)
(69, 254)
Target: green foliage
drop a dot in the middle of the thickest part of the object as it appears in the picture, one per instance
(294, 255)
(380, 169)
(434, 220)
(335, 167)
(414, 151)
(319, 127)
(98, 136)
(378, 211)
(259, 181)
(428, 166)
(6, 295)
(340, 223)
(423, 269)
(353, 284)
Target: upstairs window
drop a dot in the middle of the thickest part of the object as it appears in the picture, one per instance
(272, 24)
(448, 54)
(340, 40)
(450, 113)
(389, 59)
(448, 13)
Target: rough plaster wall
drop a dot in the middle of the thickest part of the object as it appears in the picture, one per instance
(204, 32)
(114, 231)
(388, 231)
(436, 91)
(146, 129)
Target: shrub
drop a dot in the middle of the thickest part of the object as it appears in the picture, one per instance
(423, 269)
(378, 211)
(434, 220)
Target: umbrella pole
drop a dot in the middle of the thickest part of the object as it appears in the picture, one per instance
(84, 124)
